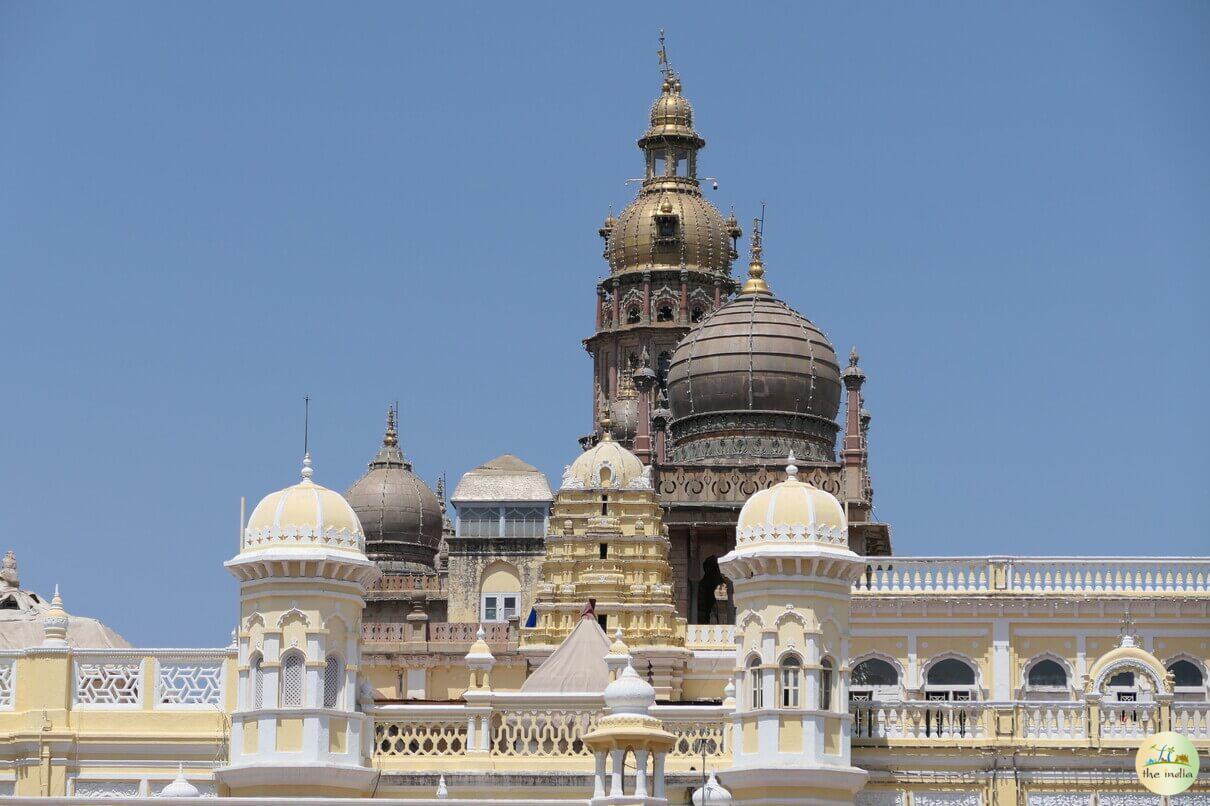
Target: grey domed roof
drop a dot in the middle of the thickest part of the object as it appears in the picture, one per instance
(754, 380)
(400, 515)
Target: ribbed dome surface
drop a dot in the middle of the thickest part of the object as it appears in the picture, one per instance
(755, 353)
(400, 515)
(703, 239)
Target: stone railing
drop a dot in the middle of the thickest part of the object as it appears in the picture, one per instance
(1053, 720)
(143, 679)
(407, 582)
(920, 720)
(1082, 723)
(1034, 576)
(441, 632)
(1192, 719)
(710, 636)
(1129, 720)
(425, 732)
(698, 729)
(525, 730)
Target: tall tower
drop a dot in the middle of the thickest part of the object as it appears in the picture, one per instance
(303, 574)
(607, 543)
(793, 573)
(669, 255)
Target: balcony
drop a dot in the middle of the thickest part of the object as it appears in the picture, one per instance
(441, 636)
(1035, 576)
(1030, 724)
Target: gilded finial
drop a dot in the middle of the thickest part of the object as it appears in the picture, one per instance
(665, 65)
(391, 438)
(756, 268)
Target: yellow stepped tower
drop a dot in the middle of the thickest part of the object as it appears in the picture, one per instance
(607, 543)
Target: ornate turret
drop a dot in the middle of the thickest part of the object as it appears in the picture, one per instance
(793, 574)
(669, 252)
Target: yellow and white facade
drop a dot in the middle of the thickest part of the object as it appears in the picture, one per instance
(895, 681)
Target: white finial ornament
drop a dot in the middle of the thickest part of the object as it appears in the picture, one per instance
(791, 468)
(180, 788)
(54, 626)
(712, 794)
(307, 472)
(443, 791)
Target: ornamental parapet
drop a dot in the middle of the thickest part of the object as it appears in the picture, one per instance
(531, 733)
(440, 636)
(733, 484)
(1087, 724)
(1034, 576)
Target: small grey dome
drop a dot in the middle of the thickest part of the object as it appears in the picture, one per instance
(400, 515)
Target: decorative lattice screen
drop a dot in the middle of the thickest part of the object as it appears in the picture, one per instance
(334, 674)
(190, 683)
(6, 684)
(292, 681)
(108, 683)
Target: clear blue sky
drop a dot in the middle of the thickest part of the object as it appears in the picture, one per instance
(208, 211)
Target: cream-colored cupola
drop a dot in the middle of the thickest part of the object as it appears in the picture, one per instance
(303, 577)
(793, 574)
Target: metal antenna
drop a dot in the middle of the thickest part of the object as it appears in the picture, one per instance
(306, 424)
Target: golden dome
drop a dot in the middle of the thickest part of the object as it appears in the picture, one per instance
(672, 114)
(792, 512)
(606, 465)
(305, 515)
(702, 239)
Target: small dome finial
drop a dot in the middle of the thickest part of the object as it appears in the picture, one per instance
(756, 267)
(791, 468)
(854, 357)
(391, 438)
(307, 471)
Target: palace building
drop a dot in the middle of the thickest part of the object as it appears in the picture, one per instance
(702, 609)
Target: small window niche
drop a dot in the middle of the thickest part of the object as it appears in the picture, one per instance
(667, 227)
(663, 313)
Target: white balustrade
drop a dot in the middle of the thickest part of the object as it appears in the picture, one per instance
(1129, 720)
(698, 729)
(420, 731)
(918, 720)
(1192, 719)
(710, 636)
(1034, 575)
(1053, 720)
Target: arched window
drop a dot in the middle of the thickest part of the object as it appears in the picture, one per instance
(1122, 680)
(632, 316)
(291, 695)
(663, 313)
(788, 681)
(696, 314)
(1186, 674)
(256, 683)
(825, 685)
(755, 686)
(1046, 673)
(334, 681)
(951, 672)
(874, 672)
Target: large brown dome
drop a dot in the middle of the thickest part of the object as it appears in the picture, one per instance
(400, 515)
(754, 380)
